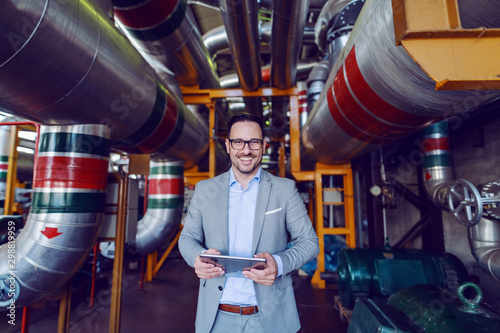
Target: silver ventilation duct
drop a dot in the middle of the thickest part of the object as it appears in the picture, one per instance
(240, 20)
(165, 34)
(72, 66)
(165, 203)
(316, 82)
(484, 239)
(377, 94)
(69, 195)
(288, 22)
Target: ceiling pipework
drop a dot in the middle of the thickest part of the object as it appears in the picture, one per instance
(377, 94)
(241, 21)
(72, 66)
(165, 34)
(288, 22)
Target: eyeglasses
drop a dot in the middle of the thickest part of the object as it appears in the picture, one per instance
(239, 144)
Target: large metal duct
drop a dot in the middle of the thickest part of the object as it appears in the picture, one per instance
(484, 239)
(66, 63)
(288, 22)
(377, 94)
(240, 20)
(166, 35)
(165, 204)
(68, 200)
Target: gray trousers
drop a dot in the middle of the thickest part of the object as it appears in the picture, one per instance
(227, 322)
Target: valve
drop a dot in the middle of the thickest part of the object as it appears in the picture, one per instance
(468, 206)
(465, 203)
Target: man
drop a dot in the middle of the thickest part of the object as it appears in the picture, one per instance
(247, 212)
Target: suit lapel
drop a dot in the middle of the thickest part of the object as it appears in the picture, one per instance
(260, 209)
(222, 198)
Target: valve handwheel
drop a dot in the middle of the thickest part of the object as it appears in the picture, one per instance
(465, 202)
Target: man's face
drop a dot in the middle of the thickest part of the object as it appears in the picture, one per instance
(246, 160)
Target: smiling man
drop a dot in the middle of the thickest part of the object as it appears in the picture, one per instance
(247, 212)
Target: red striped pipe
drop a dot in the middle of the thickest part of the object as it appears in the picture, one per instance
(165, 205)
(68, 200)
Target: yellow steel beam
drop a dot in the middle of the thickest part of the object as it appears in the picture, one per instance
(456, 58)
(10, 191)
(295, 142)
(65, 308)
(116, 287)
(212, 165)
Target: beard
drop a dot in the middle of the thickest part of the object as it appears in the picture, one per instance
(246, 168)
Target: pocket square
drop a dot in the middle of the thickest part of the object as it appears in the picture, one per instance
(272, 211)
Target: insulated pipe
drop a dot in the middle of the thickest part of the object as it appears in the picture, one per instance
(437, 168)
(288, 22)
(377, 94)
(326, 18)
(68, 200)
(165, 204)
(240, 20)
(68, 64)
(166, 35)
(4, 158)
(484, 240)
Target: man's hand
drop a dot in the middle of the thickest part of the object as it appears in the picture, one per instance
(206, 270)
(264, 276)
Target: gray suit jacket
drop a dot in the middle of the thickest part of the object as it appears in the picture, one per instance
(280, 214)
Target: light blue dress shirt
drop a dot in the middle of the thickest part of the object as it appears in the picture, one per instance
(241, 214)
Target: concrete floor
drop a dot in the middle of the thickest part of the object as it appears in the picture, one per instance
(168, 304)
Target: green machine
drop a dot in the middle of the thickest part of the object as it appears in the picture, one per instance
(425, 308)
(370, 273)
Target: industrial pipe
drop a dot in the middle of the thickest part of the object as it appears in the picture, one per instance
(165, 204)
(68, 200)
(484, 240)
(437, 168)
(66, 63)
(240, 20)
(165, 34)
(377, 94)
(288, 22)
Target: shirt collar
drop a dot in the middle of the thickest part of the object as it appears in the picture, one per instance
(233, 180)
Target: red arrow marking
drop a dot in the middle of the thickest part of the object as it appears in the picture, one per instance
(51, 232)
(428, 176)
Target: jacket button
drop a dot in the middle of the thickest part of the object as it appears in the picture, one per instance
(220, 288)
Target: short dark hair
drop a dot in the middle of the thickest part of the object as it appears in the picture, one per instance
(244, 117)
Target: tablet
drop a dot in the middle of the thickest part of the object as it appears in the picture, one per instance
(234, 264)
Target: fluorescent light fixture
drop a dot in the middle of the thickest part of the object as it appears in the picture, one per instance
(28, 135)
(25, 150)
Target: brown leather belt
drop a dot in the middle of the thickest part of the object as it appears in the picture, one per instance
(244, 310)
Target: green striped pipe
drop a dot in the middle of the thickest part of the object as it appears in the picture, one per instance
(68, 200)
(437, 168)
(165, 204)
